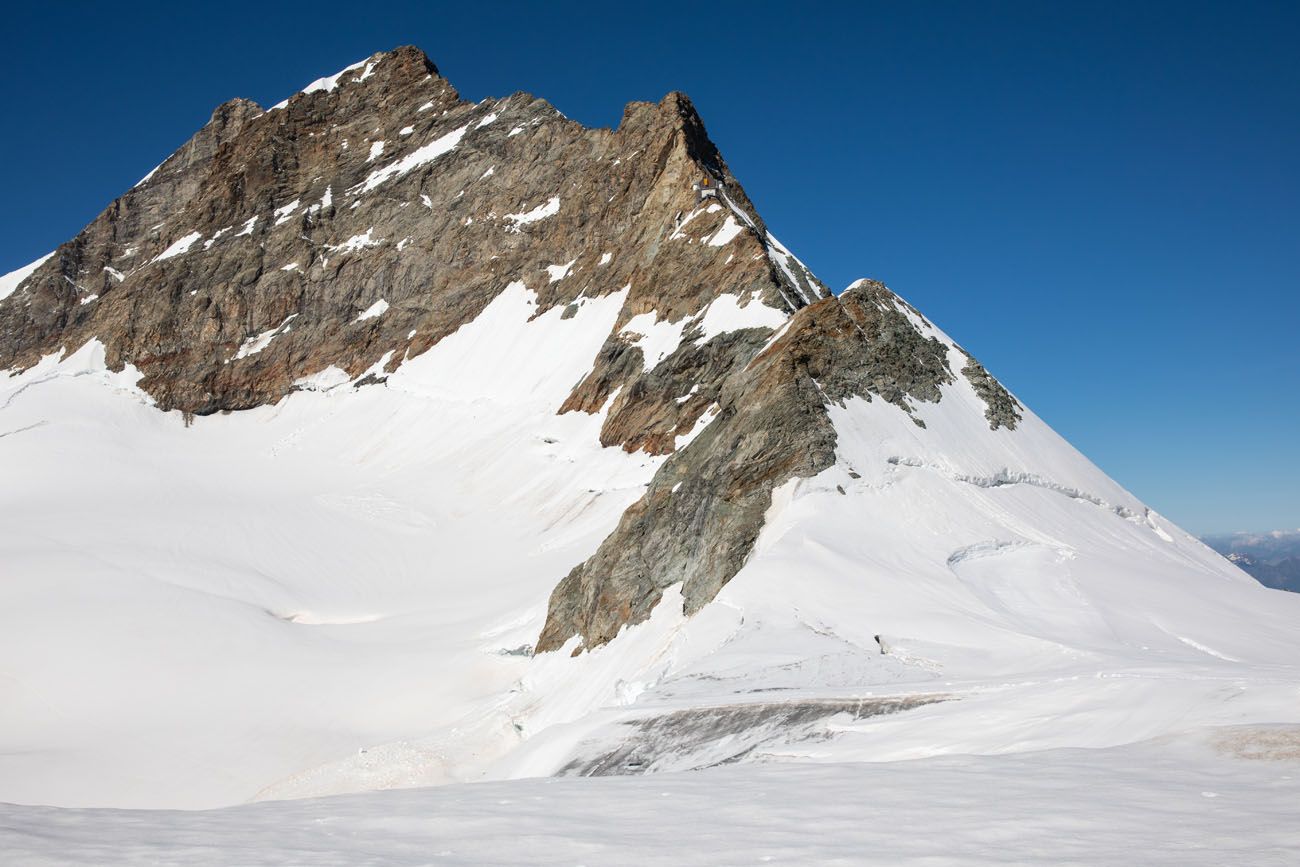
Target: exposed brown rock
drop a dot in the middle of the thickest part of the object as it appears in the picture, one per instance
(437, 243)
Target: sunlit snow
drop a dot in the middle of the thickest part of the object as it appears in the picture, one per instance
(326, 84)
(285, 213)
(659, 338)
(11, 281)
(559, 272)
(727, 233)
(179, 247)
(549, 208)
(258, 342)
(379, 308)
(418, 157)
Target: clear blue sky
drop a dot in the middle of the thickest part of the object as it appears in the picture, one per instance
(1102, 203)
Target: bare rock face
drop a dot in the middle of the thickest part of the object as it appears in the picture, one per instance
(700, 517)
(376, 212)
(1003, 409)
(381, 185)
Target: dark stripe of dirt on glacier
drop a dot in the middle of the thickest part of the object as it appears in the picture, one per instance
(726, 734)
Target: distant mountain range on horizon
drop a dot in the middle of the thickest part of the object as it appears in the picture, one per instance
(1271, 558)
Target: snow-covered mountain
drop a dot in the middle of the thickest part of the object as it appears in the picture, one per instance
(1272, 558)
(383, 439)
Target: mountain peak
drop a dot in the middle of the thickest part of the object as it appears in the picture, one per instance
(519, 386)
(375, 213)
(360, 180)
(398, 69)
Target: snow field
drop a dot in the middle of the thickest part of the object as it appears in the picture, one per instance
(338, 593)
(1180, 802)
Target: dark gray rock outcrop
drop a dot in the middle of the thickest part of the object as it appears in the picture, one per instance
(699, 519)
(1003, 410)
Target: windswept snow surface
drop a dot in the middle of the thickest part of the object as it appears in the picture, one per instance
(1180, 802)
(338, 593)
(198, 613)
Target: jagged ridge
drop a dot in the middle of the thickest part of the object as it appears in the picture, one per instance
(699, 519)
(384, 186)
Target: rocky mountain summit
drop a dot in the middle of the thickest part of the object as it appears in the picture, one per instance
(331, 238)
(373, 214)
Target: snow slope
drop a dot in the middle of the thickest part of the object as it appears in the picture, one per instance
(338, 593)
(190, 614)
(1181, 801)
(998, 570)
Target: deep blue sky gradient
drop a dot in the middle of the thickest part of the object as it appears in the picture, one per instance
(1101, 202)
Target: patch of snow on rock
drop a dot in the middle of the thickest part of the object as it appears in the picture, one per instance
(660, 338)
(725, 235)
(727, 314)
(179, 247)
(356, 242)
(541, 212)
(284, 213)
(559, 272)
(207, 245)
(657, 338)
(326, 84)
(416, 158)
(376, 309)
(258, 342)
